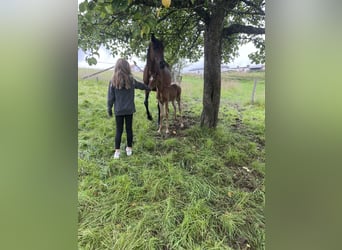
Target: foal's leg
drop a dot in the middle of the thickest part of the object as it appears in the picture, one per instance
(174, 109)
(180, 111)
(149, 116)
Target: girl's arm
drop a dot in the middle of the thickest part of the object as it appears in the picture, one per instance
(110, 99)
(140, 85)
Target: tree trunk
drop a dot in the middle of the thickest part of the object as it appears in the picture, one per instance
(212, 68)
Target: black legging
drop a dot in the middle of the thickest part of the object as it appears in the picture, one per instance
(119, 129)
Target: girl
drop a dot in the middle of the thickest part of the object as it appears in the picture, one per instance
(121, 94)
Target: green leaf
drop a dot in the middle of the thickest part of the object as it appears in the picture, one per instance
(145, 30)
(89, 17)
(91, 61)
(103, 14)
(83, 6)
(109, 9)
(91, 5)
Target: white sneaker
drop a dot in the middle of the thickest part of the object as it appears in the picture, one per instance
(129, 151)
(117, 155)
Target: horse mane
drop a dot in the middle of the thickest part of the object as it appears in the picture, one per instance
(148, 60)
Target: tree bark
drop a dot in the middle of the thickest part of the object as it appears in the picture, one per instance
(212, 68)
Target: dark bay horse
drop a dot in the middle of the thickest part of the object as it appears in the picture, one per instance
(158, 76)
(156, 68)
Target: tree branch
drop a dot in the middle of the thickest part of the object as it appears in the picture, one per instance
(198, 34)
(257, 7)
(253, 13)
(239, 28)
(166, 16)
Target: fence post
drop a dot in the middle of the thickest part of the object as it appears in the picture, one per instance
(253, 93)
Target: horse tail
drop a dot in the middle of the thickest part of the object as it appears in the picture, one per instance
(179, 92)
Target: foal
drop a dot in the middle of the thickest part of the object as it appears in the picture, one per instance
(166, 94)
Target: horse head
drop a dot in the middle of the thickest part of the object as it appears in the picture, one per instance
(156, 50)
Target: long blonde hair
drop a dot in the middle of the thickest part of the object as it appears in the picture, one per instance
(122, 77)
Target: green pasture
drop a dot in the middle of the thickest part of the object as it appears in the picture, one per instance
(197, 188)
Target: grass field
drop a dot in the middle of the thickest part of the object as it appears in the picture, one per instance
(195, 189)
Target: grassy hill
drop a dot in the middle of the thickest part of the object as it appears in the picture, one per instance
(194, 189)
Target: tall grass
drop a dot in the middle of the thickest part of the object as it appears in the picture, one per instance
(197, 188)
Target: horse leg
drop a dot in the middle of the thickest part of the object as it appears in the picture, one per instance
(160, 108)
(158, 114)
(167, 116)
(147, 93)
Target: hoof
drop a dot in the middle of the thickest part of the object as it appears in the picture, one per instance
(182, 125)
(149, 117)
(167, 131)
